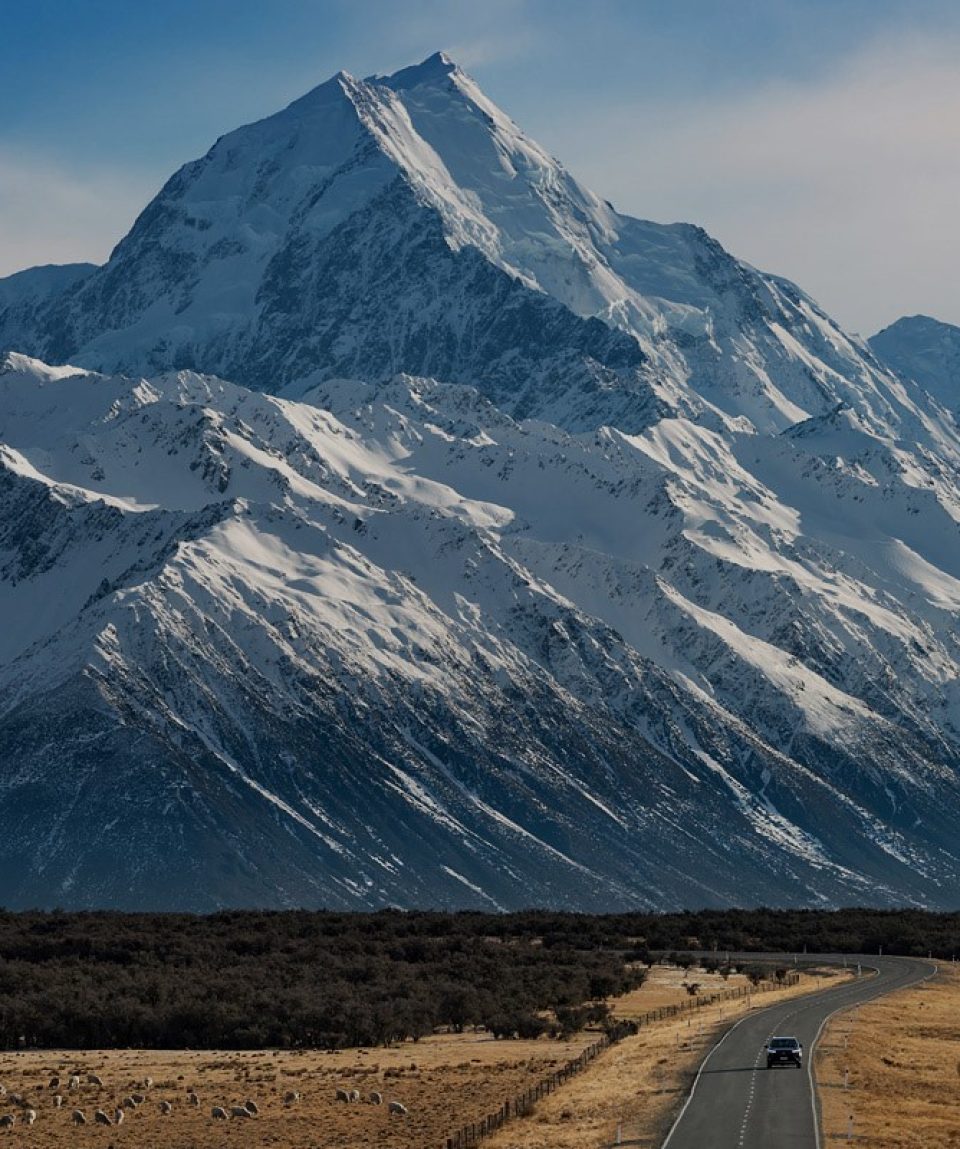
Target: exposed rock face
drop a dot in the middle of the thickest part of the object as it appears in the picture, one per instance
(414, 652)
(535, 554)
(406, 224)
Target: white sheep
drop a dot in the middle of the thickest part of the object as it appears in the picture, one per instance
(74, 1082)
(93, 1079)
(78, 1117)
(118, 1116)
(354, 1095)
(218, 1113)
(57, 1100)
(343, 1095)
(3, 1090)
(7, 1121)
(397, 1107)
(376, 1098)
(101, 1118)
(29, 1116)
(146, 1083)
(240, 1111)
(291, 1097)
(252, 1106)
(129, 1103)
(166, 1107)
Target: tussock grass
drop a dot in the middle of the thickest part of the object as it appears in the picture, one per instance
(902, 1054)
(445, 1080)
(438, 1078)
(641, 1082)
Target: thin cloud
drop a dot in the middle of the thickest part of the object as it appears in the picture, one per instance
(849, 186)
(52, 214)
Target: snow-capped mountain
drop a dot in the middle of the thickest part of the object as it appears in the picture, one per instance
(393, 646)
(406, 224)
(535, 554)
(925, 350)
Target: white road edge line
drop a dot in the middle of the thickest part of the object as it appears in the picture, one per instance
(813, 1045)
(693, 1088)
(816, 1038)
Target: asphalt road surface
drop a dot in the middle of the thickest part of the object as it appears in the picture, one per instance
(737, 1103)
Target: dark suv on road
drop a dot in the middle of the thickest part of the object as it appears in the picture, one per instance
(784, 1051)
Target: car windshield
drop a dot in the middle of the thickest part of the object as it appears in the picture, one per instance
(783, 1043)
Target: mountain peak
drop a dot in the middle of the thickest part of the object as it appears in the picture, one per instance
(924, 349)
(334, 89)
(429, 71)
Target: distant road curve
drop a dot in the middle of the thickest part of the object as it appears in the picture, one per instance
(737, 1103)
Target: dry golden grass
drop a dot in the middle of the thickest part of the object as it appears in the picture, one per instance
(903, 1057)
(641, 1082)
(445, 1081)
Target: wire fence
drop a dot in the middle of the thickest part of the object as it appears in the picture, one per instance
(476, 1131)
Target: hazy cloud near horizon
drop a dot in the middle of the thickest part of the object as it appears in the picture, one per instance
(848, 185)
(54, 213)
(817, 141)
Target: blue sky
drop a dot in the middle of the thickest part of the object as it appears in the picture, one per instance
(815, 138)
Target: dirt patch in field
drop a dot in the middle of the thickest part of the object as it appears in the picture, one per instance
(901, 1056)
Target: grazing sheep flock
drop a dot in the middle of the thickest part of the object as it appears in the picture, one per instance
(99, 1100)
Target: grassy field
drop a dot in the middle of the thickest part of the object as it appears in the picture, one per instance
(640, 1083)
(902, 1054)
(437, 1079)
(445, 1081)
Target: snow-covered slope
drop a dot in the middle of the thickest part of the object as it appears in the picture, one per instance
(38, 284)
(406, 224)
(388, 645)
(24, 295)
(534, 554)
(925, 350)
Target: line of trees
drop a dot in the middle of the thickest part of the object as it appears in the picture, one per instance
(256, 979)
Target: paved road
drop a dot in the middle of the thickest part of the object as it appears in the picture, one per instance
(737, 1103)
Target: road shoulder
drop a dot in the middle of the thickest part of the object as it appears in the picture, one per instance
(899, 1057)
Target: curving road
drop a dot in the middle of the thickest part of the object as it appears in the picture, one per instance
(737, 1103)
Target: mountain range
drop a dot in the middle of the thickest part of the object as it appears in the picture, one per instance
(391, 521)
